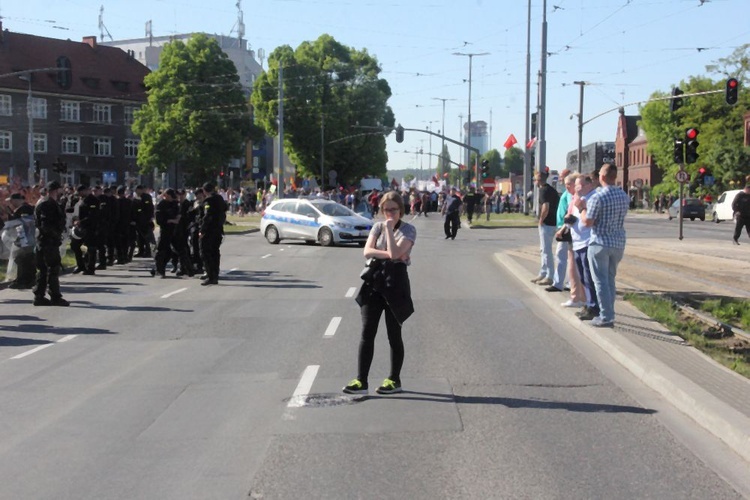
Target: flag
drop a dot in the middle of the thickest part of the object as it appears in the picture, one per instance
(531, 143)
(510, 141)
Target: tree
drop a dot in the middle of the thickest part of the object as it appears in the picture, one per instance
(196, 114)
(444, 162)
(513, 161)
(329, 90)
(495, 161)
(721, 149)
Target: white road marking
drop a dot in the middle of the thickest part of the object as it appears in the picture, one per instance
(233, 269)
(167, 295)
(266, 256)
(32, 351)
(303, 388)
(350, 293)
(332, 326)
(39, 348)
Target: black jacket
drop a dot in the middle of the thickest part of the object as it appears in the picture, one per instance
(391, 280)
(214, 215)
(50, 220)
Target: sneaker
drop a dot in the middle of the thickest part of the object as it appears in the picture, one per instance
(61, 302)
(587, 314)
(600, 323)
(538, 279)
(552, 288)
(736, 242)
(544, 282)
(355, 387)
(570, 303)
(42, 301)
(389, 387)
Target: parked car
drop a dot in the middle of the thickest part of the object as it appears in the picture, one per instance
(692, 208)
(722, 209)
(313, 220)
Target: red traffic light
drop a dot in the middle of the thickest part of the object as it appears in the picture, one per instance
(691, 133)
(701, 170)
(732, 91)
(732, 83)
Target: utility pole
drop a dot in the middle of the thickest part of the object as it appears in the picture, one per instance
(526, 152)
(580, 125)
(280, 180)
(442, 131)
(542, 156)
(471, 58)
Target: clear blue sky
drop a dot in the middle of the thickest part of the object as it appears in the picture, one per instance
(625, 49)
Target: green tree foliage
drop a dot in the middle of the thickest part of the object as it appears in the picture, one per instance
(444, 163)
(496, 162)
(325, 81)
(721, 126)
(513, 161)
(196, 114)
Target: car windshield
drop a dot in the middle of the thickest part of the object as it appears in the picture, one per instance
(693, 201)
(333, 209)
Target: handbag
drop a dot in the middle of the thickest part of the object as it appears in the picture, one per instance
(564, 235)
(371, 267)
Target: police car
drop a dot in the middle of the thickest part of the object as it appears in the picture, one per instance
(323, 221)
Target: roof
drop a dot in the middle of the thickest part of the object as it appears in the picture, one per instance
(631, 124)
(95, 70)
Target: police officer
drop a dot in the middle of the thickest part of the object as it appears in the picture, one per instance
(195, 217)
(167, 217)
(88, 223)
(125, 226)
(144, 221)
(452, 210)
(24, 251)
(103, 228)
(211, 233)
(180, 242)
(76, 234)
(50, 222)
(113, 221)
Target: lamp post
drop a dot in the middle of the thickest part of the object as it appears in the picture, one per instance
(330, 74)
(580, 125)
(442, 146)
(468, 141)
(429, 129)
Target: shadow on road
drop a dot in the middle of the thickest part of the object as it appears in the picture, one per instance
(18, 342)
(21, 318)
(52, 330)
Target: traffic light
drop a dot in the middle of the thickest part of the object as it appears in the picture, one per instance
(700, 178)
(485, 169)
(691, 145)
(533, 124)
(676, 102)
(733, 87)
(36, 167)
(679, 151)
(399, 134)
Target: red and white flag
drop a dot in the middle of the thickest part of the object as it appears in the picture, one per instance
(531, 143)
(510, 141)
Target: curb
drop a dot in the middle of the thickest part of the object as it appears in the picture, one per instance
(714, 415)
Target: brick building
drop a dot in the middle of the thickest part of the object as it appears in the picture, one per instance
(78, 112)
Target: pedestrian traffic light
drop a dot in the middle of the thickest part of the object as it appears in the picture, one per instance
(533, 124)
(733, 87)
(676, 102)
(691, 145)
(679, 151)
(399, 134)
(485, 169)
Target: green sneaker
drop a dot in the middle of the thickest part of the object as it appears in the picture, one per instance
(355, 387)
(389, 387)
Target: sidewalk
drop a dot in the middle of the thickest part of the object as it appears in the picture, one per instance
(714, 396)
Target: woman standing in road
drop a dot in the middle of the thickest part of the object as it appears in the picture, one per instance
(387, 289)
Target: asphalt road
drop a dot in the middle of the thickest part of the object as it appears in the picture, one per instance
(163, 389)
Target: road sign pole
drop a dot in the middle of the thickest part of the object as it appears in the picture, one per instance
(682, 168)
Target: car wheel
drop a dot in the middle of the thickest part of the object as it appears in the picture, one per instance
(310, 242)
(692, 219)
(703, 218)
(670, 217)
(272, 235)
(325, 237)
(715, 217)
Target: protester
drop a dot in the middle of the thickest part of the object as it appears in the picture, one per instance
(451, 211)
(387, 290)
(605, 213)
(581, 234)
(563, 246)
(741, 209)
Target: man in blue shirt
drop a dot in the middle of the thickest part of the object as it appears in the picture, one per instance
(605, 213)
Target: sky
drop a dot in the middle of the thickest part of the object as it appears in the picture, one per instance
(623, 49)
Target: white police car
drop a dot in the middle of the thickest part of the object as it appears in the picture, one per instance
(324, 221)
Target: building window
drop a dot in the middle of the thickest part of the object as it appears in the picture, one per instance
(71, 144)
(6, 108)
(131, 148)
(130, 114)
(102, 113)
(102, 146)
(39, 108)
(6, 140)
(70, 111)
(40, 143)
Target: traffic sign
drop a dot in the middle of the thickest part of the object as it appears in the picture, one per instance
(682, 176)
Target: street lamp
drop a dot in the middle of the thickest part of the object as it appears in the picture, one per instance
(429, 129)
(442, 146)
(471, 58)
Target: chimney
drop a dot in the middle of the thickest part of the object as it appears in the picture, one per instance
(91, 40)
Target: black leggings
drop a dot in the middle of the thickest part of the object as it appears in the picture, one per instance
(741, 222)
(371, 313)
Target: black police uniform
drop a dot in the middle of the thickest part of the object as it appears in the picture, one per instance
(194, 221)
(166, 210)
(124, 231)
(211, 235)
(26, 272)
(88, 222)
(50, 221)
(145, 225)
(452, 216)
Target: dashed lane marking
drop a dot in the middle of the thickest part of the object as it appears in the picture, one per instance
(167, 295)
(332, 327)
(266, 256)
(350, 293)
(39, 348)
(303, 388)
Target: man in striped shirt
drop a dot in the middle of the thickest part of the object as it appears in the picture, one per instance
(605, 213)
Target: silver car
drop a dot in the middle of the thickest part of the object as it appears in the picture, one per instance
(326, 222)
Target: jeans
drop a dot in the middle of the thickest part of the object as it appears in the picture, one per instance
(603, 261)
(561, 257)
(584, 271)
(546, 236)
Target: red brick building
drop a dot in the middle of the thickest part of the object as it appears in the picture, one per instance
(80, 115)
(636, 169)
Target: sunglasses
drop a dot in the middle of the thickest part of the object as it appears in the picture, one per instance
(390, 209)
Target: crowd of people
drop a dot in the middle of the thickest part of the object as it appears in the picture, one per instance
(108, 226)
